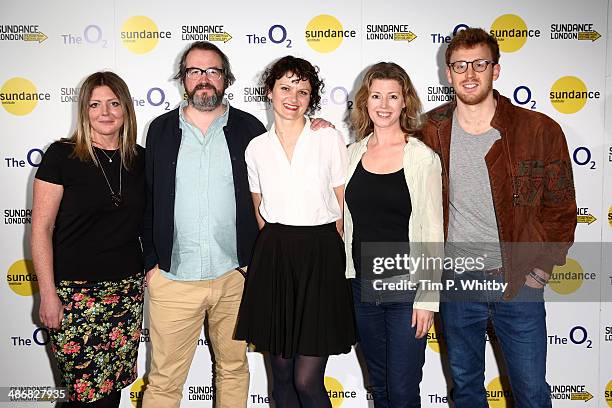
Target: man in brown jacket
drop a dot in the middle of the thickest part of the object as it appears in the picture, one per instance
(509, 201)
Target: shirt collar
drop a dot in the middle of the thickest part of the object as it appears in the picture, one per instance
(223, 116)
(272, 131)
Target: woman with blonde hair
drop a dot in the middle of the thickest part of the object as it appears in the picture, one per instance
(87, 212)
(393, 196)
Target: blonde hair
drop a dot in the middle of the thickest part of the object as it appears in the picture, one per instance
(410, 118)
(81, 137)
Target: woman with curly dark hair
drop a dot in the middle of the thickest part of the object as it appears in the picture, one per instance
(297, 303)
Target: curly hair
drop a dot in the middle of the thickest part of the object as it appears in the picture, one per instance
(303, 70)
(410, 118)
(470, 38)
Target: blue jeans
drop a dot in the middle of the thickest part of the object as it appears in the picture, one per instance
(520, 327)
(394, 357)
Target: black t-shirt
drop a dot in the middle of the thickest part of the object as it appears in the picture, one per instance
(380, 209)
(93, 239)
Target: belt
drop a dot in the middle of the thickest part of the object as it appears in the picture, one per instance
(494, 272)
(242, 272)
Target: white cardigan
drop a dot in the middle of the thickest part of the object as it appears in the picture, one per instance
(423, 174)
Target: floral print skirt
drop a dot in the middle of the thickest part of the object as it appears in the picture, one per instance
(97, 344)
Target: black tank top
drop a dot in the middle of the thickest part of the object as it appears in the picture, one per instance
(380, 208)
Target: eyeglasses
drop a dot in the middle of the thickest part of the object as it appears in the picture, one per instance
(479, 65)
(197, 73)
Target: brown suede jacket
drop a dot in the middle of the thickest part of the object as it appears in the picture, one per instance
(530, 172)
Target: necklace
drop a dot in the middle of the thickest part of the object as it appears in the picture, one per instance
(116, 197)
(111, 157)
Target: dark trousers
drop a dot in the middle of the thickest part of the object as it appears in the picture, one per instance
(393, 356)
(520, 326)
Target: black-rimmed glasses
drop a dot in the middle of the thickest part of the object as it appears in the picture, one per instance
(197, 73)
(479, 65)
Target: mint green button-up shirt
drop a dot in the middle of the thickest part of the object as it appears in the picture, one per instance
(204, 241)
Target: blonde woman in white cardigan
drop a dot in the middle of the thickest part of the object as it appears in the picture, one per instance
(393, 196)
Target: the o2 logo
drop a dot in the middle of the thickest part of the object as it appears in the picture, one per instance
(340, 96)
(278, 35)
(438, 38)
(522, 96)
(93, 35)
(582, 157)
(578, 335)
(156, 97)
(33, 158)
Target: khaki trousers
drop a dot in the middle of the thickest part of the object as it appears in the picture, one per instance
(176, 315)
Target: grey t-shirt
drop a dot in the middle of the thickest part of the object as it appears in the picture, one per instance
(472, 225)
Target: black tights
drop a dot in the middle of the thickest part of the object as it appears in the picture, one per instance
(110, 401)
(299, 382)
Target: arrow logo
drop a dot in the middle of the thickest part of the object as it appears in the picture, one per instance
(409, 36)
(581, 396)
(589, 35)
(40, 37)
(225, 37)
(586, 219)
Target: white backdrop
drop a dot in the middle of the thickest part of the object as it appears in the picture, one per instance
(48, 48)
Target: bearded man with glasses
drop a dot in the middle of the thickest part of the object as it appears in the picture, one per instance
(509, 201)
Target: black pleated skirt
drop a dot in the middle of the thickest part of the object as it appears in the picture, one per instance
(296, 298)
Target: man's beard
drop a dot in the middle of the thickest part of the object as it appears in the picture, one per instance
(203, 102)
(475, 99)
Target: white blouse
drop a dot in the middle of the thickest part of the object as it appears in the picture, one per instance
(299, 192)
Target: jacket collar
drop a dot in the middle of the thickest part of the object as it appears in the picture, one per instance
(232, 119)
(502, 112)
(362, 145)
(440, 115)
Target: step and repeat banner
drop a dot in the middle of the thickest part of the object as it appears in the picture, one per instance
(556, 59)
